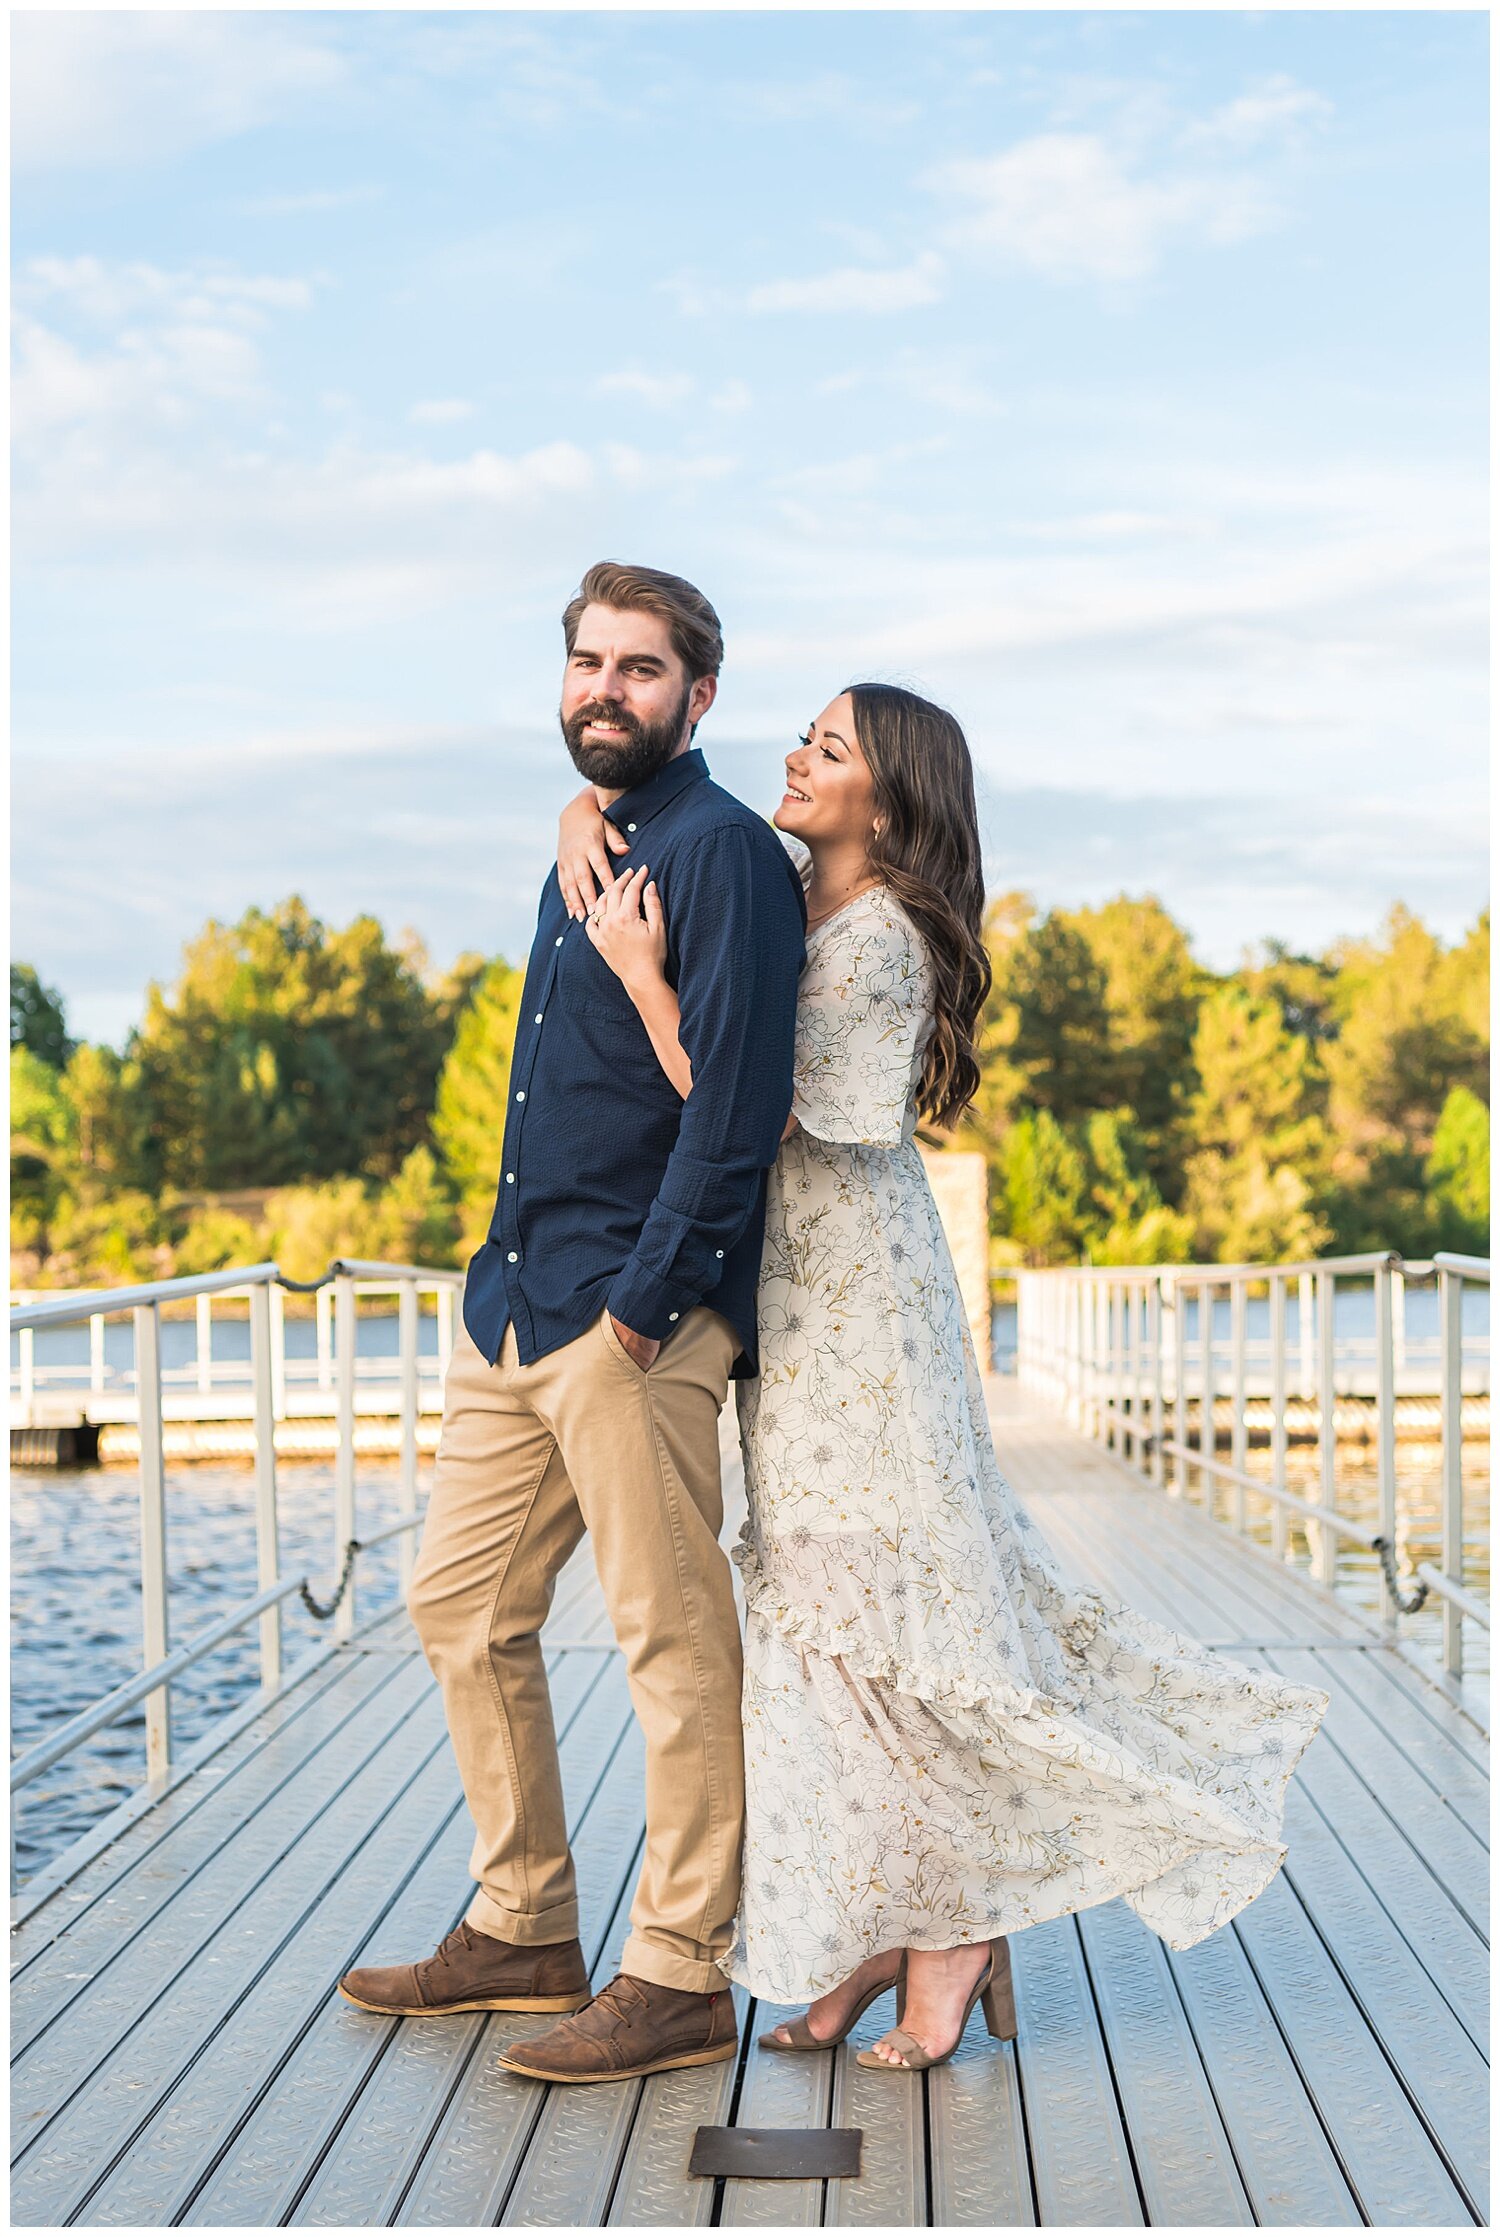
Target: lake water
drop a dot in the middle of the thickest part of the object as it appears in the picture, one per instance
(76, 1586)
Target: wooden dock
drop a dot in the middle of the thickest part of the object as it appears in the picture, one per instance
(180, 2055)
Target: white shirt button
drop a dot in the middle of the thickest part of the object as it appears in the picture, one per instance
(520, 1094)
(512, 1256)
(671, 1316)
(718, 1254)
(630, 827)
(557, 943)
(537, 1019)
(510, 1180)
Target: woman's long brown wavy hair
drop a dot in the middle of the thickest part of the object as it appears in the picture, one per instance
(927, 852)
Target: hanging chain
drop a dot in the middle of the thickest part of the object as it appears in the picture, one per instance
(322, 1612)
(1408, 1602)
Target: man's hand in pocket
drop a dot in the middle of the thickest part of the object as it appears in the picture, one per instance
(642, 1349)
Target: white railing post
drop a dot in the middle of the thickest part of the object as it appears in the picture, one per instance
(323, 1308)
(1307, 1373)
(1278, 1412)
(343, 1466)
(1398, 1319)
(278, 1351)
(1179, 1386)
(1385, 1432)
(1239, 1428)
(96, 1353)
(27, 1342)
(1451, 1325)
(154, 1641)
(203, 1318)
(1207, 1480)
(407, 1326)
(1072, 1351)
(1326, 1548)
(1139, 1337)
(267, 1529)
(1158, 1380)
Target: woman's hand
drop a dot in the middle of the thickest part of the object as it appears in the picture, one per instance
(627, 927)
(585, 839)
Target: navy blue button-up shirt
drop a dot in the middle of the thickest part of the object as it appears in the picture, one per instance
(613, 1189)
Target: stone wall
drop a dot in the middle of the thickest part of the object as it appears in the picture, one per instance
(960, 1184)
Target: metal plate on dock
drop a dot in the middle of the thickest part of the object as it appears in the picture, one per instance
(776, 2154)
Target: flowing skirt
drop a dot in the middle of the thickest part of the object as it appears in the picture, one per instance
(945, 1738)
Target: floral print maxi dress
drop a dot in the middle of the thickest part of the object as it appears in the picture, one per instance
(945, 1739)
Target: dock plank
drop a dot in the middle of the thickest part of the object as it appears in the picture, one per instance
(1184, 2161)
(1290, 2169)
(1439, 2063)
(1394, 2169)
(1080, 2156)
(976, 2127)
(891, 2190)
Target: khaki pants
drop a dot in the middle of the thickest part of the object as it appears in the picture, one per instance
(530, 1458)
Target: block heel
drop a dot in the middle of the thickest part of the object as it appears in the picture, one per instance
(999, 1995)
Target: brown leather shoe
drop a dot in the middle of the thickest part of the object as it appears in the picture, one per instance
(473, 1972)
(632, 2027)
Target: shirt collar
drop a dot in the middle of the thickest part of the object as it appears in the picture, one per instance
(643, 801)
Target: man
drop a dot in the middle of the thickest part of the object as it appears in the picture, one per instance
(603, 1318)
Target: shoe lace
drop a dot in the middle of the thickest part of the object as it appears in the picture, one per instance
(621, 1992)
(462, 1938)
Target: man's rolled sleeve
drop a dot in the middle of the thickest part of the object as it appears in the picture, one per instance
(735, 927)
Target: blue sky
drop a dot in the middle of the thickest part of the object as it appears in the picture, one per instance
(1118, 379)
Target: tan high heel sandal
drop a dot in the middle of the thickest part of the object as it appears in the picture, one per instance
(801, 2035)
(994, 1988)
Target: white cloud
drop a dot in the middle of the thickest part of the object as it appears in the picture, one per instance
(179, 341)
(1272, 109)
(659, 390)
(106, 294)
(1064, 204)
(734, 396)
(855, 287)
(94, 87)
(441, 411)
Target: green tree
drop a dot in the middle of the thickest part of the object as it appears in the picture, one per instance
(1127, 1223)
(42, 1136)
(36, 1018)
(1257, 1126)
(469, 1121)
(1047, 1020)
(1152, 989)
(1084, 1192)
(1044, 1189)
(1411, 1029)
(285, 1052)
(1304, 985)
(1458, 1176)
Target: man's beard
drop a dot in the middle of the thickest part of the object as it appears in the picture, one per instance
(644, 749)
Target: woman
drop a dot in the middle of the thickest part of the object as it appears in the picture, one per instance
(945, 1740)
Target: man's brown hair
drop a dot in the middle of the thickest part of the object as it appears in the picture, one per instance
(697, 638)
